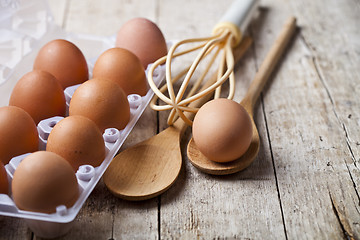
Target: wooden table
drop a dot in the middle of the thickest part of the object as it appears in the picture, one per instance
(305, 182)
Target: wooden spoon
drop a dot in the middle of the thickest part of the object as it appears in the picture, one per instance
(150, 167)
(203, 163)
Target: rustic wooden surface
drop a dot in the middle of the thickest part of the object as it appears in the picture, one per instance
(305, 182)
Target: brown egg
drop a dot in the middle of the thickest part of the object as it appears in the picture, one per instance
(78, 140)
(18, 133)
(43, 181)
(222, 130)
(40, 94)
(4, 183)
(102, 101)
(64, 60)
(124, 68)
(144, 38)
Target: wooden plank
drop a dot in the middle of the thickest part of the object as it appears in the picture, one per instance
(337, 60)
(317, 190)
(234, 206)
(337, 57)
(106, 18)
(137, 220)
(14, 228)
(304, 183)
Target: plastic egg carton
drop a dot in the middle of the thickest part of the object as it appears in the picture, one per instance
(58, 223)
(25, 26)
(87, 175)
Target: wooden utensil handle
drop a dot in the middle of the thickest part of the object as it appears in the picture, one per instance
(268, 65)
(239, 51)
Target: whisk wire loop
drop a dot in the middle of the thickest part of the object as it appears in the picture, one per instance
(222, 42)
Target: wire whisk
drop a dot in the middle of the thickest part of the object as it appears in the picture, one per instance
(227, 34)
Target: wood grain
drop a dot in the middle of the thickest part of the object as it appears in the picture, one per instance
(308, 143)
(304, 184)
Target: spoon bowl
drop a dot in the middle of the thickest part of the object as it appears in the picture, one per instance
(135, 173)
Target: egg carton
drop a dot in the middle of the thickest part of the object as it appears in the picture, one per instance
(87, 175)
(25, 26)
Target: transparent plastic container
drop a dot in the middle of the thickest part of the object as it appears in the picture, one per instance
(25, 26)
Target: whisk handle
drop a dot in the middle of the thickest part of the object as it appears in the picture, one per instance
(237, 17)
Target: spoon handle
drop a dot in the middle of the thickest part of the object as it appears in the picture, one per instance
(268, 65)
(239, 51)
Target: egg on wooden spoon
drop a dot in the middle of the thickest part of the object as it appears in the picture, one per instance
(240, 127)
(222, 130)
